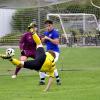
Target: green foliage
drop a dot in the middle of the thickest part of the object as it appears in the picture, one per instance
(22, 18)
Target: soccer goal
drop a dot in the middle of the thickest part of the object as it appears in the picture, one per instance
(75, 28)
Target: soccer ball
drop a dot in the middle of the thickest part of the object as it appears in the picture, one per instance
(10, 52)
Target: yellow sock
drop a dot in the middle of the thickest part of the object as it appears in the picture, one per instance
(36, 39)
(16, 62)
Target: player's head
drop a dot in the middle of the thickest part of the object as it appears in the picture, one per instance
(49, 25)
(52, 53)
(32, 25)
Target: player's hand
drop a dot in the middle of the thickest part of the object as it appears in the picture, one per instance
(45, 90)
(47, 38)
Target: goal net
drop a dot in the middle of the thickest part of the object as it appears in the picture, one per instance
(76, 28)
(75, 20)
(71, 17)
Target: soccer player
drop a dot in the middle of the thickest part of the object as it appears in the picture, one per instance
(51, 40)
(44, 61)
(27, 47)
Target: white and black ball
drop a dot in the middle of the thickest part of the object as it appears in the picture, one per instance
(10, 52)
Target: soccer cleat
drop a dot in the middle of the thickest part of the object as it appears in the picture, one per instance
(58, 82)
(5, 56)
(41, 83)
(13, 76)
(32, 31)
(32, 25)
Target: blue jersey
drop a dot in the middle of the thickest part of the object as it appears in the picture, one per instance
(53, 35)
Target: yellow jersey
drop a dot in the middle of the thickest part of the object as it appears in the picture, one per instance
(48, 65)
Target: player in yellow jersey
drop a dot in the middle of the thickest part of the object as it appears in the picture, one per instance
(43, 62)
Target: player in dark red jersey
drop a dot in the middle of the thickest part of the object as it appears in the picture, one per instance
(27, 47)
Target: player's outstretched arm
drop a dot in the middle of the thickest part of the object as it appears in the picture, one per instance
(49, 84)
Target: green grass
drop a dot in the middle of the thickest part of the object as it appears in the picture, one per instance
(80, 80)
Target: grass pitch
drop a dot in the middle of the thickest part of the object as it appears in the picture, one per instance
(80, 78)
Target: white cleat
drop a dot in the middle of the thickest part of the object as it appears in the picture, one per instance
(13, 76)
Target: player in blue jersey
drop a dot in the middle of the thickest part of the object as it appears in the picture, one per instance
(51, 39)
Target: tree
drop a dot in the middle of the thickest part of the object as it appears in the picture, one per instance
(22, 18)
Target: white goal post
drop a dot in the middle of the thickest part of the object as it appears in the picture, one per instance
(80, 21)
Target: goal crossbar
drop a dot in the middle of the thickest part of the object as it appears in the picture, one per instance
(64, 15)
